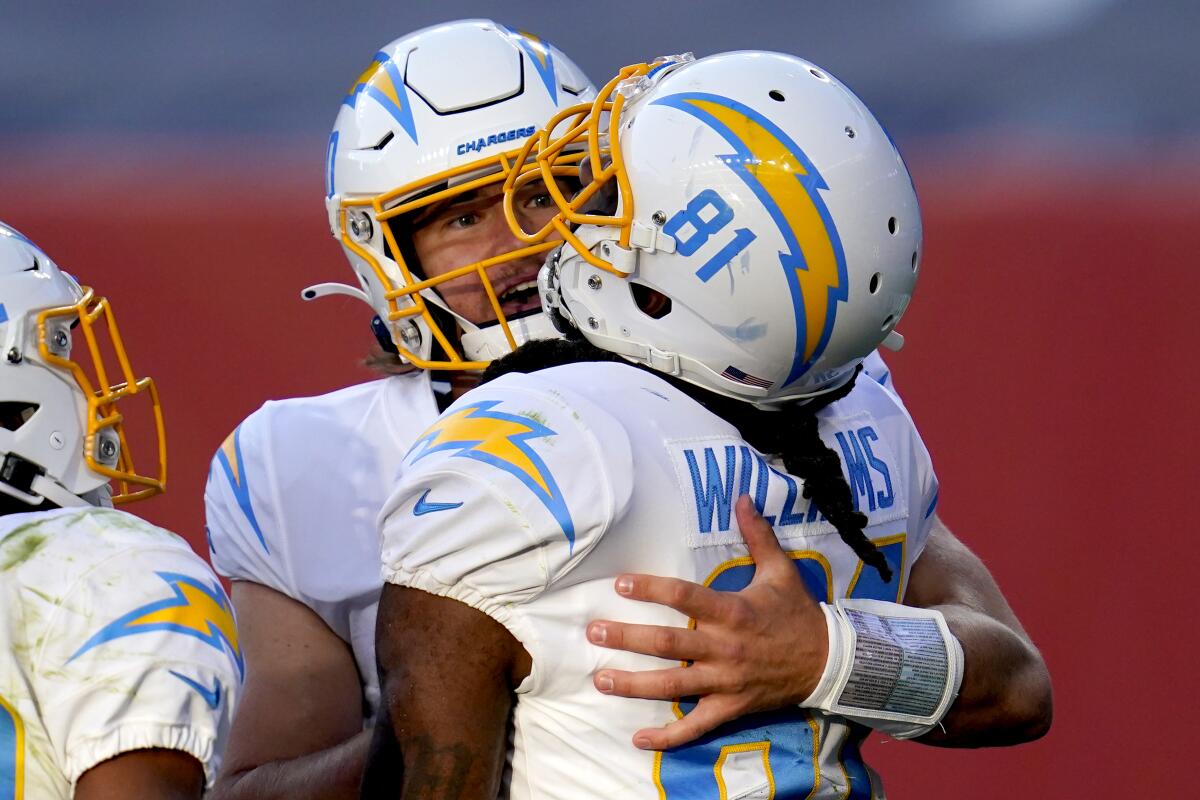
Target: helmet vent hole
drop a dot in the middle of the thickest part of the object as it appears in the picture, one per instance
(816, 73)
(887, 323)
(651, 302)
(776, 95)
(914, 261)
(15, 414)
(382, 143)
(876, 279)
(893, 226)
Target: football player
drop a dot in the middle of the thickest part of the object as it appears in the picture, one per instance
(416, 161)
(119, 661)
(748, 235)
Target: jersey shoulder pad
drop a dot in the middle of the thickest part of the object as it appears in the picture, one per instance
(503, 495)
(140, 649)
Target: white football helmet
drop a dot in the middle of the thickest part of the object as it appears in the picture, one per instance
(438, 113)
(748, 225)
(62, 437)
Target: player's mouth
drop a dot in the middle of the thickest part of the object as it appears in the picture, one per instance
(520, 298)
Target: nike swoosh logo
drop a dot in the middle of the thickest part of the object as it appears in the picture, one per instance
(211, 696)
(422, 507)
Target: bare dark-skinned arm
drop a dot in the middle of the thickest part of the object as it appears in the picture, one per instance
(447, 672)
(157, 773)
(1005, 697)
(298, 730)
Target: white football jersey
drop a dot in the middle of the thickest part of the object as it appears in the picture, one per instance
(115, 637)
(874, 368)
(531, 493)
(294, 492)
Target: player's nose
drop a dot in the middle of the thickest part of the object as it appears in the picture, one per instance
(500, 237)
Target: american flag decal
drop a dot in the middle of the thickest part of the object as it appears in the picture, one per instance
(735, 374)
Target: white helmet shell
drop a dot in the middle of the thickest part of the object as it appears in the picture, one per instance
(770, 208)
(435, 109)
(61, 435)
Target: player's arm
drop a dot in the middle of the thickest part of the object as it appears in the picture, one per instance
(298, 729)
(447, 674)
(1005, 697)
(162, 774)
(765, 646)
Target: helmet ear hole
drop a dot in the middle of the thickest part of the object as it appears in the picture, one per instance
(651, 302)
(15, 414)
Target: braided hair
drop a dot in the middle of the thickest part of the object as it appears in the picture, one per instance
(791, 432)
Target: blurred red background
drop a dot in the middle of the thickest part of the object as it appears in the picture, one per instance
(1045, 365)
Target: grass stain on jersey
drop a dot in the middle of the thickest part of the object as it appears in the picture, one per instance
(36, 592)
(536, 416)
(22, 545)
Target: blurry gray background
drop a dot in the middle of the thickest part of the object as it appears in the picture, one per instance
(1087, 72)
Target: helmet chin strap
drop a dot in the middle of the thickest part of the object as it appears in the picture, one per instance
(56, 494)
(41, 489)
(490, 343)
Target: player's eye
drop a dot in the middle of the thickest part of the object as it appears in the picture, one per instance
(540, 200)
(464, 220)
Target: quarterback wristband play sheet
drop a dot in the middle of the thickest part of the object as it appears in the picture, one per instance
(892, 667)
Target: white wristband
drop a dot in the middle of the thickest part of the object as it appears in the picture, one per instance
(891, 667)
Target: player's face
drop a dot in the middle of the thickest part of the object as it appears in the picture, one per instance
(471, 228)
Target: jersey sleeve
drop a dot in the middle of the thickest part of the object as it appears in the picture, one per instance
(141, 652)
(504, 494)
(240, 507)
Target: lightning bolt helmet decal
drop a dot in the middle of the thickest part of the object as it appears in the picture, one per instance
(785, 181)
(382, 81)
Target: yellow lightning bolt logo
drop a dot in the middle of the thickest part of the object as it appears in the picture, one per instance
(500, 439)
(196, 610)
(382, 81)
(787, 184)
(541, 58)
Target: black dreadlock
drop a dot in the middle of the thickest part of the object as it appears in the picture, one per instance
(790, 432)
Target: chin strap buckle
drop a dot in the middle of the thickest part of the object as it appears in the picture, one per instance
(663, 361)
(19, 473)
(650, 238)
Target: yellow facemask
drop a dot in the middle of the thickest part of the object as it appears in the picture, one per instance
(104, 389)
(405, 299)
(592, 128)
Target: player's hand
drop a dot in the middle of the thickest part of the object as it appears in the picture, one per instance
(760, 648)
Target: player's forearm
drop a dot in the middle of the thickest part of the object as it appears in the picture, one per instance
(1005, 697)
(332, 774)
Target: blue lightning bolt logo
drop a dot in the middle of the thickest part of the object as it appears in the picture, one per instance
(478, 432)
(541, 58)
(382, 82)
(196, 609)
(788, 185)
(229, 456)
